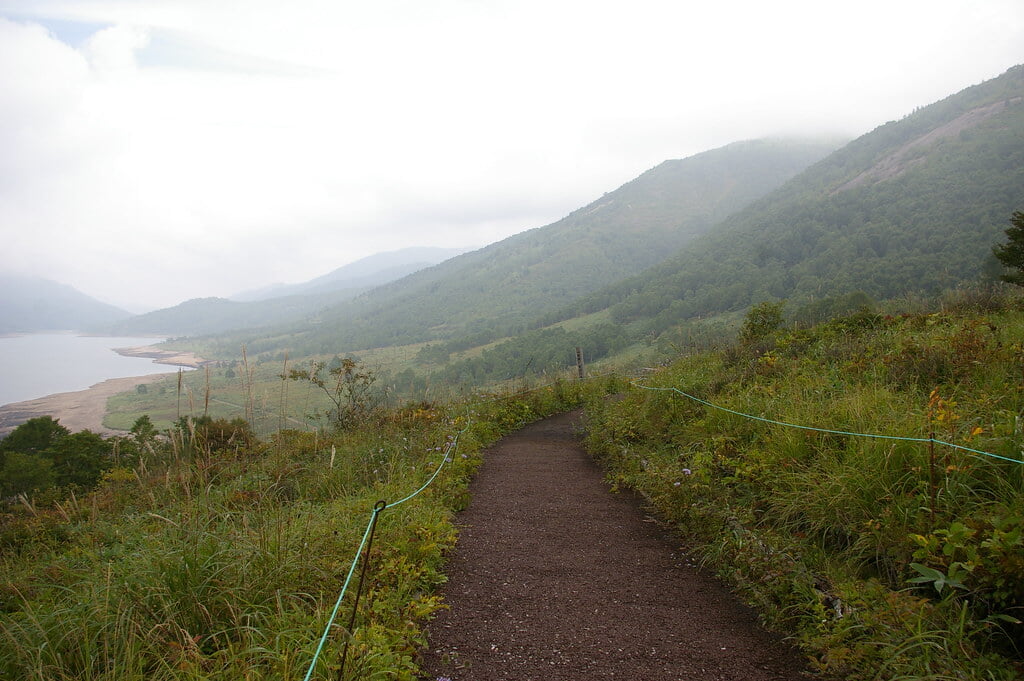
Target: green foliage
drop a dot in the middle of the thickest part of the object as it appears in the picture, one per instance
(41, 453)
(884, 558)
(217, 556)
(79, 459)
(1011, 254)
(533, 353)
(761, 321)
(143, 430)
(26, 474)
(206, 435)
(349, 387)
(830, 307)
(32, 437)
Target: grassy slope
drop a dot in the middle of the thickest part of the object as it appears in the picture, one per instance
(819, 530)
(196, 565)
(223, 560)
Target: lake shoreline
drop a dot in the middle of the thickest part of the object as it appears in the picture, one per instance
(181, 358)
(76, 410)
(85, 409)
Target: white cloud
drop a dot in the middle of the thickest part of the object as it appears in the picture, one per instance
(111, 51)
(192, 148)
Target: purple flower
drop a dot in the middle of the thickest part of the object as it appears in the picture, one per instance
(687, 471)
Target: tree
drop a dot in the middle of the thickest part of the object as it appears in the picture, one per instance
(32, 437)
(762, 319)
(25, 474)
(80, 459)
(347, 384)
(143, 430)
(1011, 254)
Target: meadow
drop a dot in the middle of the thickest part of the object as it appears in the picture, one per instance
(860, 482)
(209, 553)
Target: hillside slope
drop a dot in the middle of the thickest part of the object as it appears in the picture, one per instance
(32, 304)
(914, 206)
(496, 290)
(281, 303)
(365, 273)
(217, 315)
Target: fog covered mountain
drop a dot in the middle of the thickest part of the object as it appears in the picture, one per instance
(29, 304)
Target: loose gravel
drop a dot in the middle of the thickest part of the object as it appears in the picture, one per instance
(556, 578)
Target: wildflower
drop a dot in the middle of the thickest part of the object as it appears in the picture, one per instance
(676, 483)
(687, 471)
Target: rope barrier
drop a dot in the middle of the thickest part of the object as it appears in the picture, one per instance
(974, 452)
(450, 448)
(379, 507)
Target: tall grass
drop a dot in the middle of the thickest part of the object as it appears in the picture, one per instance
(218, 557)
(849, 539)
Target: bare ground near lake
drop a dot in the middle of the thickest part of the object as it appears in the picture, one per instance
(85, 409)
(78, 410)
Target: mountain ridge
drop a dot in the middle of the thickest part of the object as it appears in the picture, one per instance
(284, 304)
(623, 232)
(29, 304)
(365, 273)
(920, 227)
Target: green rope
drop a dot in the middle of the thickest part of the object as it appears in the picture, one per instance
(828, 430)
(341, 596)
(447, 455)
(451, 447)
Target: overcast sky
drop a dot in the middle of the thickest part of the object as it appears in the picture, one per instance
(153, 151)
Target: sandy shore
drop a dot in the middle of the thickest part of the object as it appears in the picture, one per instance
(85, 409)
(161, 356)
(79, 410)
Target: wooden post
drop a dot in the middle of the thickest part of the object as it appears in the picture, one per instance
(579, 363)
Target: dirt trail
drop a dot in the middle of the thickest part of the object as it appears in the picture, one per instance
(555, 578)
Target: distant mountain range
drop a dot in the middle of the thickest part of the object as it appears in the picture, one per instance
(500, 289)
(281, 303)
(913, 207)
(29, 304)
(374, 270)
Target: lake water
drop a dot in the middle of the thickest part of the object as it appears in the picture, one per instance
(37, 365)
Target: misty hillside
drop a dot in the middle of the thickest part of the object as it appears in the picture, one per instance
(373, 270)
(282, 303)
(496, 290)
(30, 304)
(215, 315)
(913, 206)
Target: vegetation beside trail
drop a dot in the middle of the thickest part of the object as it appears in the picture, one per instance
(216, 554)
(211, 554)
(888, 558)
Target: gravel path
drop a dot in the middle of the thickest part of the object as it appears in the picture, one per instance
(555, 578)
